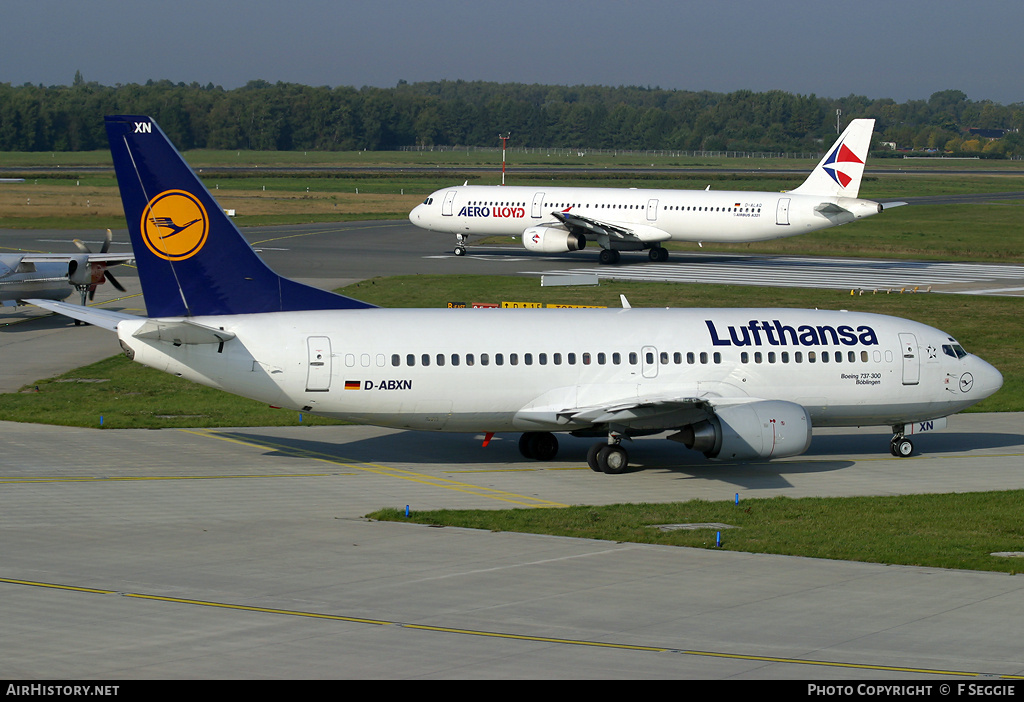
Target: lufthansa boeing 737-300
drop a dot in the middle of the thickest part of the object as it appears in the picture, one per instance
(735, 384)
(558, 220)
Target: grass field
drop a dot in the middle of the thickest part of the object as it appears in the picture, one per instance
(960, 530)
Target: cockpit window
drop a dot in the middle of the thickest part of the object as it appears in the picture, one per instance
(428, 201)
(954, 350)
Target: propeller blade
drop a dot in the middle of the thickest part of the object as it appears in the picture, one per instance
(113, 281)
(106, 242)
(81, 246)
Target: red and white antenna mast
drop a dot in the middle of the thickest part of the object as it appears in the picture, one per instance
(504, 144)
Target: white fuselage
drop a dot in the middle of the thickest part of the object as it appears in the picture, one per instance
(19, 280)
(656, 215)
(520, 370)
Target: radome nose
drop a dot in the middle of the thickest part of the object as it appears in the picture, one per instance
(987, 379)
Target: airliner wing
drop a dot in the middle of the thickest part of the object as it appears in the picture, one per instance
(588, 226)
(650, 413)
(107, 258)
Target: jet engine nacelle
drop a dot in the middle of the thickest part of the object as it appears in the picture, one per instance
(763, 429)
(552, 240)
(80, 271)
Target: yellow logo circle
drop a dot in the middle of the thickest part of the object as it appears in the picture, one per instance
(175, 225)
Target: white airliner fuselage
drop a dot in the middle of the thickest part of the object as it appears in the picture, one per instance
(558, 220)
(559, 370)
(655, 215)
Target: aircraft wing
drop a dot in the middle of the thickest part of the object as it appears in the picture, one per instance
(650, 413)
(105, 319)
(590, 227)
(107, 258)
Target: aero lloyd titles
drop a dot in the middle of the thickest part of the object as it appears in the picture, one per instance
(775, 333)
(513, 212)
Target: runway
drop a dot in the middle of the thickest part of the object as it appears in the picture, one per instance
(244, 553)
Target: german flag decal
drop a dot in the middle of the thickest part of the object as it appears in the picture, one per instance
(352, 384)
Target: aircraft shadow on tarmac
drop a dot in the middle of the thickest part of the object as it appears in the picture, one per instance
(589, 258)
(938, 443)
(460, 451)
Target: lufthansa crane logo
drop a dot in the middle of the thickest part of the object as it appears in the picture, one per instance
(175, 225)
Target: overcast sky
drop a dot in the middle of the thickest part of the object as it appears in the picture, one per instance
(886, 48)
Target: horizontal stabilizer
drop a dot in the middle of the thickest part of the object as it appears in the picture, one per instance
(827, 208)
(105, 319)
(181, 331)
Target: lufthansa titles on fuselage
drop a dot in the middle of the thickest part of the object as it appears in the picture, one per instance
(775, 333)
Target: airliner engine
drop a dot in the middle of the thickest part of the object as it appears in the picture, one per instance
(552, 240)
(763, 429)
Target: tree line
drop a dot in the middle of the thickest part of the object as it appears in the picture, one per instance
(289, 116)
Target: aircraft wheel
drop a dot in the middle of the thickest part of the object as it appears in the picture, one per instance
(901, 448)
(592, 456)
(658, 254)
(460, 250)
(608, 257)
(612, 459)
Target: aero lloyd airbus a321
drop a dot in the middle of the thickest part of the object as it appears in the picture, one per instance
(557, 220)
(735, 384)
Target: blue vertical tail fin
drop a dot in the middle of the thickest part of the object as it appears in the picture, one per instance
(192, 259)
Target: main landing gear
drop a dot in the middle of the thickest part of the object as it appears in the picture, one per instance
(604, 457)
(609, 257)
(608, 458)
(900, 446)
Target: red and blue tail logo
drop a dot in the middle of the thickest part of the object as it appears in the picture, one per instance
(840, 155)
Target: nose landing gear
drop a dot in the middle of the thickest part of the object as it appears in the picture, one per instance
(900, 446)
